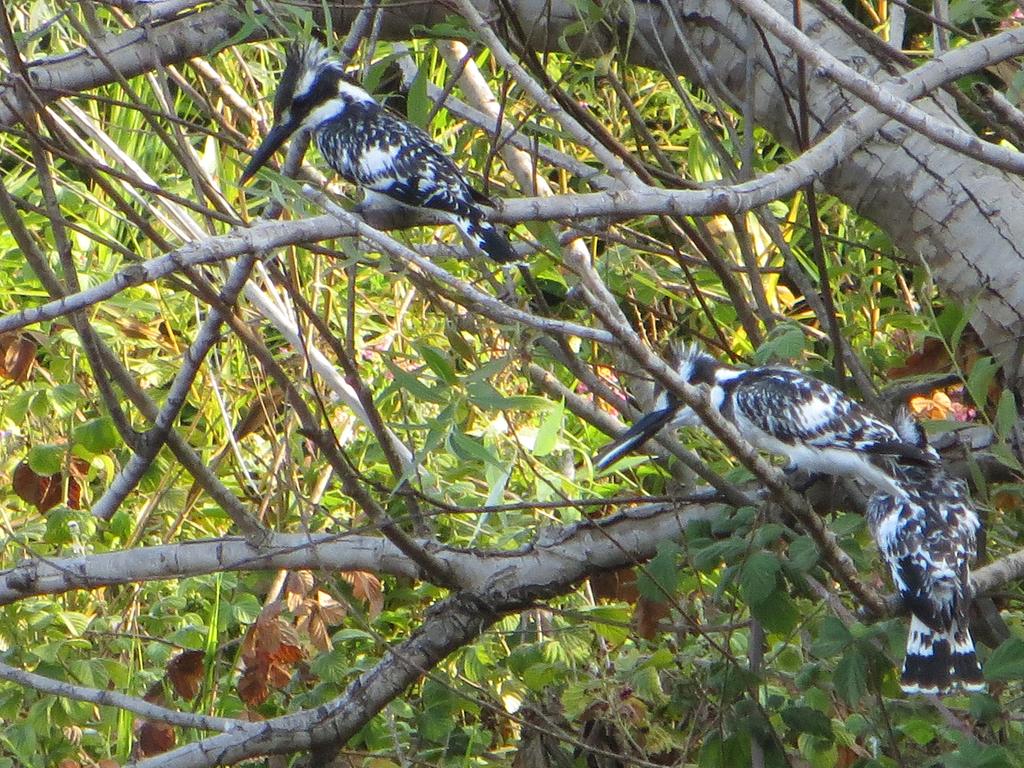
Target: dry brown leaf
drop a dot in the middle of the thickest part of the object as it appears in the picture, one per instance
(155, 738)
(331, 610)
(186, 673)
(317, 631)
(367, 587)
(269, 649)
(17, 356)
(298, 585)
(619, 585)
(43, 492)
(647, 616)
(155, 693)
(252, 685)
(47, 491)
(931, 358)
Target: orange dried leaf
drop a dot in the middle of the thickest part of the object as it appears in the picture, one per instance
(287, 654)
(279, 675)
(367, 587)
(318, 633)
(331, 611)
(17, 357)
(932, 358)
(935, 406)
(186, 673)
(298, 585)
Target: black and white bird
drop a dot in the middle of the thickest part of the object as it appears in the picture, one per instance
(927, 536)
(783, 411)
(372, 147)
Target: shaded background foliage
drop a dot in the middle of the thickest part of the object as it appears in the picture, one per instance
(721, 650)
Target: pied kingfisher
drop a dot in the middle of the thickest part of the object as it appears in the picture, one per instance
(780, 410)
(372, 147)
(927, 537)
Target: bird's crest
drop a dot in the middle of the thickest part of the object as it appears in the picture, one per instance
(910, 431)
(692, 363)
(302, 62)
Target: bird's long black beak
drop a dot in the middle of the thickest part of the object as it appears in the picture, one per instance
(642, 430)
(271, 143)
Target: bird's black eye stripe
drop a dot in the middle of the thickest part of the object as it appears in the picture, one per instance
(325, 87)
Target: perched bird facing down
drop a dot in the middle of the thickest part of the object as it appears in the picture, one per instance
(927, 537)
(780, 410)
(372, 147)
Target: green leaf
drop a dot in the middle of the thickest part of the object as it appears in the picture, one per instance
(758, 577)
(615, 632)
(971, 754)
(549, 430)
(245, 608)
(470, 448)
(487, 397)
(919, 729)
(1006, 413)
(846, 524)
(657, 581)
(725, 753)
(75, 622)
(438, 362)
(545, 234)
(64, 398)
(979, 379)
(951, 323)
(785, 343)
(419, 104)
(97, 435)
(777, 612)
(850, 678)
(413, 384)
(807, 720)
(803, 553)
(768, 534)
(540, 676)
(832, 638)
(985, 708)
(1006, 661)
(46, 460)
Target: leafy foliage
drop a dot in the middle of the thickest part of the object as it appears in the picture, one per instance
(718, 646)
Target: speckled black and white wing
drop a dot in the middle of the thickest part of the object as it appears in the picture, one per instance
(382, 153)
(817, 427)
(927, 537)
(372, 147)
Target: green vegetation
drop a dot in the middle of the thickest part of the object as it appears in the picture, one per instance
(720, 649)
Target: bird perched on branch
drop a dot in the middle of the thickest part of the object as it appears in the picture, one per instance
(928, 537)
(780, 410)
(372, 147)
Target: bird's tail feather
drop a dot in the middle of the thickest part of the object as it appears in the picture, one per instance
(642, 430)
(940, 662)
(488, 239)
